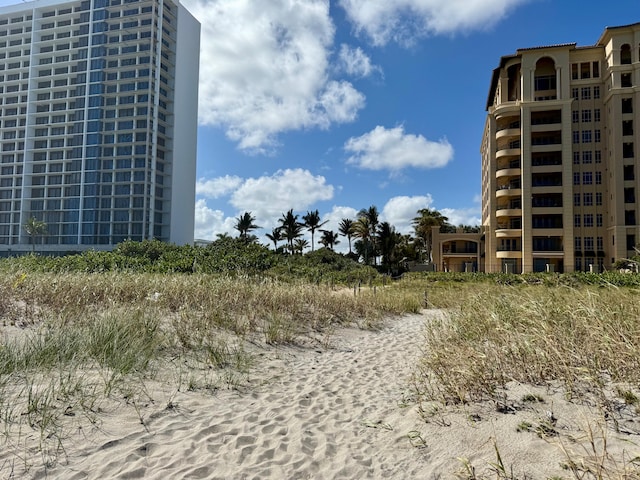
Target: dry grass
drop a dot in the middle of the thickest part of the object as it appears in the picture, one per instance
(76, 345)
(584, 339)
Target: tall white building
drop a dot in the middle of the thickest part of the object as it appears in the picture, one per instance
(98, 122)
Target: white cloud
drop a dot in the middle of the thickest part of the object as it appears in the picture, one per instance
(264, 69)
(394, 150)
(355, 62)
(400, 211)
(464, 216)
(217, 187)
(269, 197)
(404, 21)
(209, 222)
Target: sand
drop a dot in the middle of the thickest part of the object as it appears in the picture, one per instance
(346, 411)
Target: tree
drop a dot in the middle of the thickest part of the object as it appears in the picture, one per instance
(244, 225)
(422, 224)
(291, 228)
(388, 241)
(312, 222)
(371, 215)
(362, 230)
(346, 230)
(35, 228)
(275, 236)
(329, 239)
(299, 245)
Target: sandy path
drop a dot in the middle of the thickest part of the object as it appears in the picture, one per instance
(336, 413)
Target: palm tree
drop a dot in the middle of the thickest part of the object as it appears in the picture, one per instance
(362, 230)
(371, 215)
(312, 222)
(275, 236)
(329, 239)
(389, 240)
(35, 228)
(244, 225)
(346, 230)
(290, 227)
(299, 245)
(422, 224)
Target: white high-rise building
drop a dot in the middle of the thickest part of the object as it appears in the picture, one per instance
(98, 122)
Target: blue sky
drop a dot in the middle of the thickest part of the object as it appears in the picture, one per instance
(340, 105)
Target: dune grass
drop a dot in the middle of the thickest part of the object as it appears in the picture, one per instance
(584, 339)
(75, 345)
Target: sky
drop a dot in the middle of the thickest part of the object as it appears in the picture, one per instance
(345, 104)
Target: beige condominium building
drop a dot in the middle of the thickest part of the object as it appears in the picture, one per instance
(560, 176)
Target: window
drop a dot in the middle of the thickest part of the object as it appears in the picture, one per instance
(598, 178)
(574, 93)
(627, 127)
(598, 198)
(575, 116)
(598, 155)
(588, 244)
(627, 150)
(585, 70)
(585, 93)
(576, 199)
(576, 158)
(629, 195)
(586, 136)
(587, 157)
(595, 70)
(588, 199)
(576, 136)
(576, 220)
(596, 115)
(628, 172)
(586, 115)
(588, 220)
(577, 243)
(576, 178)
(627, 105)
(629, 217)
(587, 178)
(625, 80)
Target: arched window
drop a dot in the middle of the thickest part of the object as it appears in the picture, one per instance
(625, 54)
(545, 79)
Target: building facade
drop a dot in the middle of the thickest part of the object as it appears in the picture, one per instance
(560, 175)
(98, 112)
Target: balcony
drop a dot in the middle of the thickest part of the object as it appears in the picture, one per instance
(508, 253)
(508, 172)
(504, 191)
(508, 212)
(508, 152)
(508, 132)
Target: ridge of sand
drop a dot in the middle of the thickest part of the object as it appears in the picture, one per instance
(345, 412)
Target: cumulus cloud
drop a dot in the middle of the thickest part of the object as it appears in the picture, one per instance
(392, 149)
(404, 21)
(400, 211)
(264, 70)
(209, 222)
(462, 216)
(217, 187)
(268, 197)
(355, 62)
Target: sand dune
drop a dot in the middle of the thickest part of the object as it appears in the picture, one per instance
(343, 412)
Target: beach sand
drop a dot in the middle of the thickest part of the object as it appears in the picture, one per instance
(343, 411)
